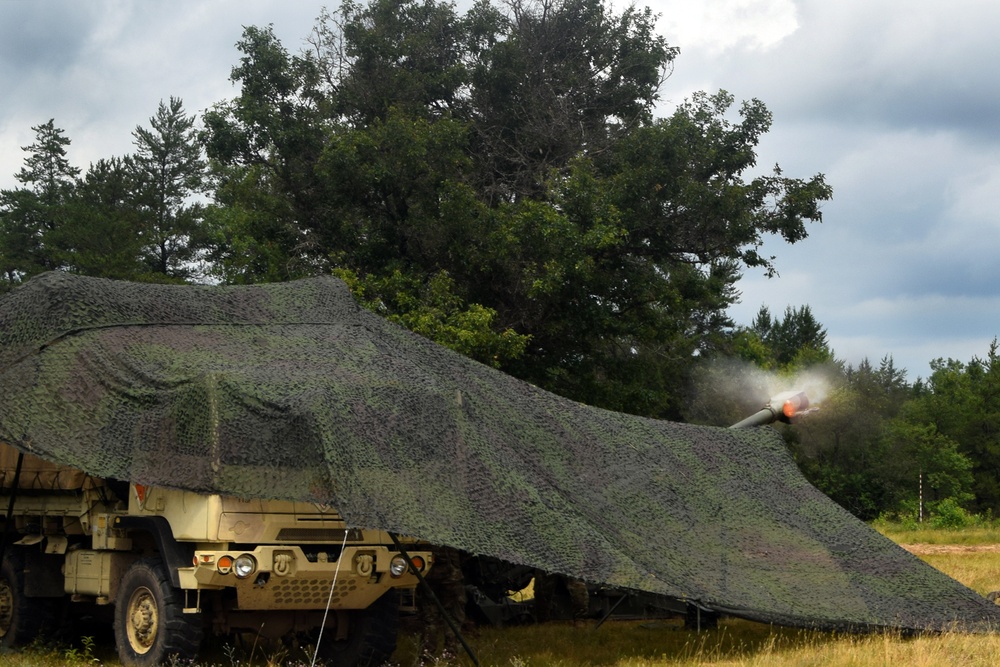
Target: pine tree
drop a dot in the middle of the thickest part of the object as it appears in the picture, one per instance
(170, 172)
(31, 215)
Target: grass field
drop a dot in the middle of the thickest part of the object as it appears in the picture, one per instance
(972, 556)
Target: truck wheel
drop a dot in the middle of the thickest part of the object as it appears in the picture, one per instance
(151, 627)
(22, 619)
(371, 638)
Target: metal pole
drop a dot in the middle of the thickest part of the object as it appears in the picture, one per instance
(611, 611)
(7, 528)
(920, 505)
(434, 597)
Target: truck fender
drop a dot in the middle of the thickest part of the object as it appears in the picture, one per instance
(173, 553)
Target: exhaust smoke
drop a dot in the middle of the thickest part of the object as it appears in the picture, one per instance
(727, 390)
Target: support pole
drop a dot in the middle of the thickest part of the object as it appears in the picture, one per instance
(611, 611)
(437, 602)
(7, 527)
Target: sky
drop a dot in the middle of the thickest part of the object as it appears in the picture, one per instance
(896, 102)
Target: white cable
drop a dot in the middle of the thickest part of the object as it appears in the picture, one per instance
(329, 599)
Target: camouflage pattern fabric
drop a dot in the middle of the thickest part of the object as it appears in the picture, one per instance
(293, 391)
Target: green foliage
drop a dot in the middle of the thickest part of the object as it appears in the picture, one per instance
(83, 655)
(681, 180)
(962, 401)
(388, 55)
(514, 152)
(434, 311)
(867, 449)
(553, 81)
(797, 341)
(32, 214)
(251, 236)
(944, 472)
(263, 147)
(169, 170)
(949, 514)
(878, 443)
(102, 236)
(128, 218)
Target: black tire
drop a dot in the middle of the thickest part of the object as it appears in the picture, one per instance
(22, 619)
(151, 627)
(371, 637)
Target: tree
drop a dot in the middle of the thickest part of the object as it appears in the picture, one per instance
(409, 56)
(796, 341)
(46, 170)
(922, 457)
(840, 450)
(556, 79)
(264, 147)
(170, 171)
(876, 438)
(507, 164)
(961, 401)
(102, 235)
(31, 214)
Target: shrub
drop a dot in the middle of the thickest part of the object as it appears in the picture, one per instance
(949, 514)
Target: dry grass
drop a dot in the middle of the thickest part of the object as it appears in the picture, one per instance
(988, 534)
(733, 643)
(979, 570)
(970, 556)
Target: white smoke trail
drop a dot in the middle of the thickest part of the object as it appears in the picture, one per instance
(727, 390)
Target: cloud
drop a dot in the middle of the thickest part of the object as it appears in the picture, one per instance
(716, 26)
(914, 210)
(897, 102)
(891, 64)
(921, 329)
(100, 68)
(34, 42)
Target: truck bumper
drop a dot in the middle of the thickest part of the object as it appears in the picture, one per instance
(283, 577)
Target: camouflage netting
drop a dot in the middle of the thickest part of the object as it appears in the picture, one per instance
(293, 391)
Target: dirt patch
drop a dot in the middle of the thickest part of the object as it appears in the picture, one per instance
(931, 549)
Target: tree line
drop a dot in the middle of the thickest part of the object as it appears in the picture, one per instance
(878, 444)
(498, 181)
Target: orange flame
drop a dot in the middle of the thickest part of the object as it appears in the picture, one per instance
(794, 405)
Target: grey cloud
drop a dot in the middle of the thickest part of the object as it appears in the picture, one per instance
(42, 35)
(897, 102)
(100, 68)
(914, 64)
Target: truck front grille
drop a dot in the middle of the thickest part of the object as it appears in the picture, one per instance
(351, 592)
(310, 593)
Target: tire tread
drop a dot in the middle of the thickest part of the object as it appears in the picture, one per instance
(183, 632)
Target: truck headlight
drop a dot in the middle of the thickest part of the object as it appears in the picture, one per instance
(244, 566)
(397, 566)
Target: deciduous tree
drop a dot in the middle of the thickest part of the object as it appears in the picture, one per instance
(505, 162)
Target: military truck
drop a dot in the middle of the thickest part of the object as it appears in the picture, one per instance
(173, 566)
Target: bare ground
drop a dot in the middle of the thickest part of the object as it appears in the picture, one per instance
(931, 549)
